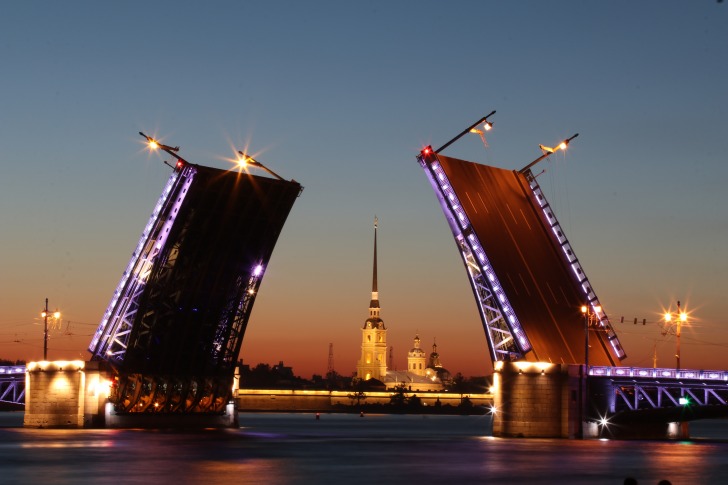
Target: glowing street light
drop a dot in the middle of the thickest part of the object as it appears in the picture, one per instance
(156, 145)
(45, 314)
(244, 160)
(487, 125)
(548, 151)
(680, 318)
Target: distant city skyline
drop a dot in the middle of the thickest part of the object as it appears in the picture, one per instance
(341, 98)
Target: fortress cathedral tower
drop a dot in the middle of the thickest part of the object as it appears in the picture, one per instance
(373, 362)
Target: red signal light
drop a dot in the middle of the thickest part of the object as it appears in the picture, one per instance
(180, 164)
(427, 150)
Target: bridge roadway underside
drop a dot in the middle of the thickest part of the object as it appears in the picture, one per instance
(536, 278)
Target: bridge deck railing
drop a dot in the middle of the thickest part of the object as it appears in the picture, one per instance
(658, 373)
(12, 384)
(12, 369)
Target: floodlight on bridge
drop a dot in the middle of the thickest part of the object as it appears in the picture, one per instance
(246, 160)
(154, 144)
(487, 125)
(681, 318)
(548, 151)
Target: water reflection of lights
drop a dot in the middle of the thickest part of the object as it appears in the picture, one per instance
(70, 444)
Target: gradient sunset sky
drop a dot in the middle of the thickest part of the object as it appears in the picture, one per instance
(341, 96)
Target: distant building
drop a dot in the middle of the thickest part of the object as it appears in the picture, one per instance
(417, 359)
(420, 375)
(373, 361)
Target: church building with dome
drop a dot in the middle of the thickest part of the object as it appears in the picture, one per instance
(422, 373)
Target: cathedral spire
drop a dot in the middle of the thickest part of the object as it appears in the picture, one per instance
(375, 293)
(373, 362)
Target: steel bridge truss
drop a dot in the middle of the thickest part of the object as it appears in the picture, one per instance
(175, 324)
(634, 389)
(139, 393)
(602, 320)
(112, 336)
(229, 336)
(506, 338)
(206, 393)
(12, 384)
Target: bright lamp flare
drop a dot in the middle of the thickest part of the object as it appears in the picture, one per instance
(683, 317)
(562, 146)
(153, 144)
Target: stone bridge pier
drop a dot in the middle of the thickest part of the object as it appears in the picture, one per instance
(543, 400)
(537, 400)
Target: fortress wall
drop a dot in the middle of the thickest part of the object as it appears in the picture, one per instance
(303, 400)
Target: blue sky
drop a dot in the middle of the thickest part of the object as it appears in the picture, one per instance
(341, 96)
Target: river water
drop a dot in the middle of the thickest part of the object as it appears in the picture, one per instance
(349, 449)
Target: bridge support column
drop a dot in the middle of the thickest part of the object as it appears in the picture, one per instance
(537, 400)
(65, 394)
(74, 394)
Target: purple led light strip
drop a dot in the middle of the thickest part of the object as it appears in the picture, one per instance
(472, 247)
(123, 303)
(653, 373)
(575, 266)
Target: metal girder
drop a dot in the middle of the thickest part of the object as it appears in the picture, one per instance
(12, 391)
(506, 338)
(500, 338)
(230, 330)
(635, 388)
(637, 395)
(111, 338)
(12, 384)
(176, 323)
(572, 261)
(139, 393)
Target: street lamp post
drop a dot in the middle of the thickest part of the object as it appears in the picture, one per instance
(680, 318)
(487, 125)
(45, 314)
(547, 152)
(588, 315)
